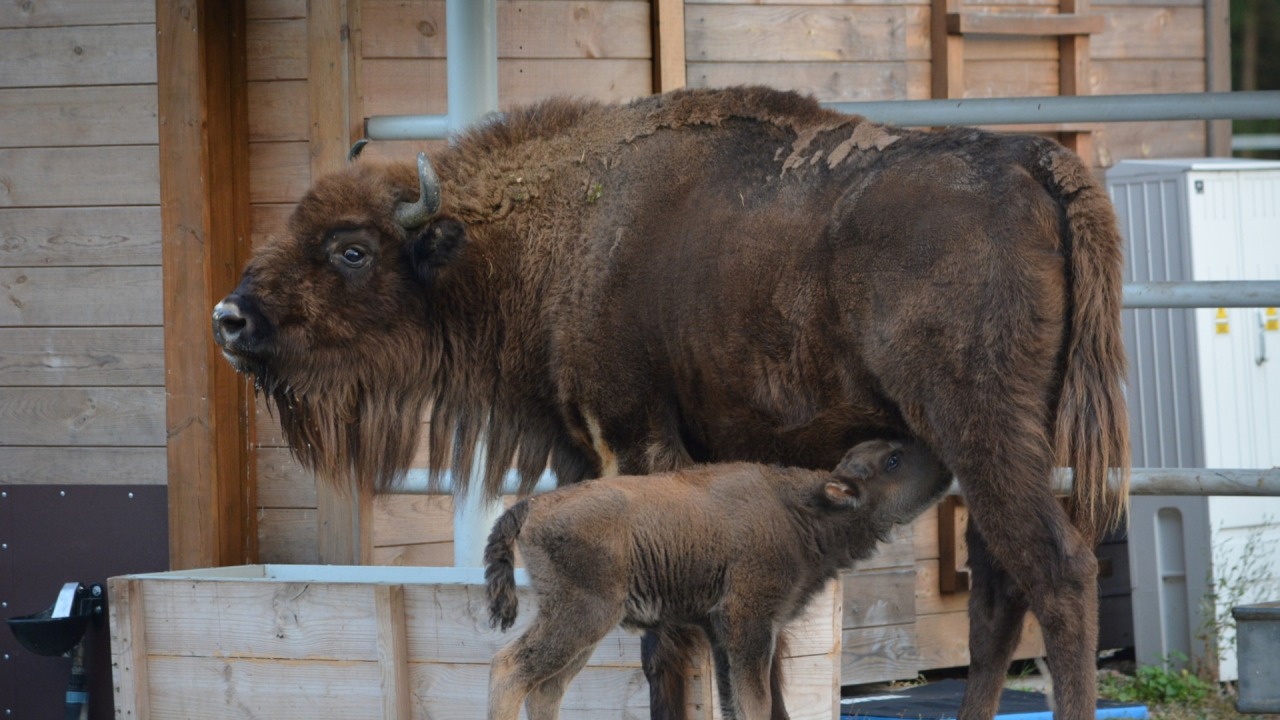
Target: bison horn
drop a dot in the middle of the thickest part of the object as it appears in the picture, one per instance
(415, 214)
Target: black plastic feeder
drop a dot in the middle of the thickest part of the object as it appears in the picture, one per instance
(44, 634)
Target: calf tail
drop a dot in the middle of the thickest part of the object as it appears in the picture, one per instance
(499, 566)
(1092, 427)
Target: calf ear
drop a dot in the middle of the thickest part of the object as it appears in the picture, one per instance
(844, 494)
(435, 246)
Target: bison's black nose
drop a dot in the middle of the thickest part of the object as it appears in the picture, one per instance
(230, 324)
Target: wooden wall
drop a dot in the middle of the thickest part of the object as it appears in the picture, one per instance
(81, 344)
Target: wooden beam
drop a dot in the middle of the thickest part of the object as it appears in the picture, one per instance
(962, 23)
(204, 210)
(1217, 19)
(343, 515)
(393, 651)
(1074, 73)
(668, 45)
(947, 52)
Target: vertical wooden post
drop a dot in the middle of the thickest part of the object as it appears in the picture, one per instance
(1217, 30)
(204, 210)
(947, 61)
(1073, 76)
(343, 514)
(668, 45)
(393, 651)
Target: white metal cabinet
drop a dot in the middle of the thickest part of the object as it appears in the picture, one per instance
(1204, 390)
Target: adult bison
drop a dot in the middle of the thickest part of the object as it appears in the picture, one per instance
(722, 275)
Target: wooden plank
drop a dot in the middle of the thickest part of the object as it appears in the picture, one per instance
(268, 221)
(883, 597)
(44, 296)
(946, 51)
(929, 598)
(129, 665)
(80, 236)
(412, 519)
(277, 49)
(898, 552)
(205, 221)
(422, 555)
(1151, 33)
(58, 13)
(975, 23)
(878, 654)
(1010, 48)
(60, 117)
(59, 177)
(798, 34)
(1118, 141)
(287, 536)
(1001, 78)
(278, 111)
(82, 466)
(944, 640)
(1218, 70)
(279, 172)
(545, 29)
(84, 55)
(82, 356)
(394, 87)
(669, 67)
(276, 9)
(953, 553)
(827, 81)
(282, 482)
(82, 416)
(1122, 77)
(393, 651)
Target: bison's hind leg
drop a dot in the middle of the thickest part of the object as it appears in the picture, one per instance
(539, 665)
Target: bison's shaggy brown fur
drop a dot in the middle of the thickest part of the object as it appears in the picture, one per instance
(734, 551)
(724, 275)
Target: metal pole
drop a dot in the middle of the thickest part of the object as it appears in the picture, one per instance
(1202, 294)
(1091, 108)
(472, 34)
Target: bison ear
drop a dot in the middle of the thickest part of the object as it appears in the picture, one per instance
(435, 246)
(844, 494)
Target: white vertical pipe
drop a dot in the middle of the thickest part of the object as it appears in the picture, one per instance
(471, 31)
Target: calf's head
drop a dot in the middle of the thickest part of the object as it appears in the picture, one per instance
(335, 323)
(899, 479)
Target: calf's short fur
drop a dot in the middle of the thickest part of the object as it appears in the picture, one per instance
(734, 551)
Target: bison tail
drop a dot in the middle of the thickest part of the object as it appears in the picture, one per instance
(499, 566)
(1092, 427)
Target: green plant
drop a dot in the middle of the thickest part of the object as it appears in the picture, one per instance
(1156, 684)
(1246, 578)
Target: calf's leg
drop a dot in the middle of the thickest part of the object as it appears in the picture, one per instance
(554, 648)
(666, 657)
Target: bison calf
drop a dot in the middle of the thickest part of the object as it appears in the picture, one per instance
(735, 551)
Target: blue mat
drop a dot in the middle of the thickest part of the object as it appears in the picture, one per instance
(941, 701)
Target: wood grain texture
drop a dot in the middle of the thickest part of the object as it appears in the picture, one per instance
(81, 236)
(129, 669)
(280, 172)
(109, 356)
(827, 81)
(82, 466)
(278, 111)
(876, 654)
(768, 33)
(110, 417)
(61, 296)
(80, 116)
(62, 177)
(277, 49)
(287, 536)
(81, 55)
(57, 13)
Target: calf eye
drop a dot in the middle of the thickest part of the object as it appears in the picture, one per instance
(892, 463)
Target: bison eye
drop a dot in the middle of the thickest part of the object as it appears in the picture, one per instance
(354, 257)
(892, 463)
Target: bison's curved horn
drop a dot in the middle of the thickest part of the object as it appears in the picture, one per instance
(415, 214)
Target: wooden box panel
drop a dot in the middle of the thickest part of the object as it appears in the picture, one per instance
(302, 641)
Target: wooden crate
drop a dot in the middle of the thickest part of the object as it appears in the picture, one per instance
(306, 641)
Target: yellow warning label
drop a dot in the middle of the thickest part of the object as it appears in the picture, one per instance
(1273, 320)
(1221, 325)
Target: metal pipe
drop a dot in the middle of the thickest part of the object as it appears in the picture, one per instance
(407, 127)
(1263, 104)
(1203, 293)
(472, 60)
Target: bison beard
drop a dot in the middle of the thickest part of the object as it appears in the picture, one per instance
(723, 275)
